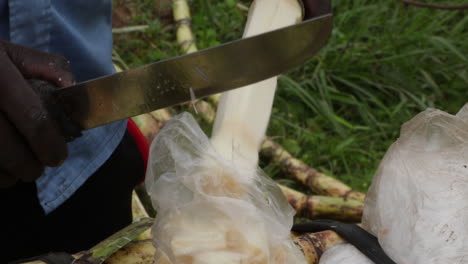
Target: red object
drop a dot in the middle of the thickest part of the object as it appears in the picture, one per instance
(140, 140)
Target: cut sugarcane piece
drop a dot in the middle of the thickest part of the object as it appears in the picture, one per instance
(324, 207)
(318, 182)
(243, 114)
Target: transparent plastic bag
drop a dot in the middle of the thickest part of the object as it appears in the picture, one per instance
(211, 211)
(417, 204)
(344, 254)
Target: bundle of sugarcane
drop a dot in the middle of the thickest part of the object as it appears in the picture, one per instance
(123, 248)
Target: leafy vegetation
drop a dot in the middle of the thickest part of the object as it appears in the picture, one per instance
(384, 63)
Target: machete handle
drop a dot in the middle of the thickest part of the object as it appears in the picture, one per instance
(68, 127)
(353, 234)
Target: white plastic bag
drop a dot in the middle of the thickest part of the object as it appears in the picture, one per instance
(417, 204)
(207, 212)
(344, 254)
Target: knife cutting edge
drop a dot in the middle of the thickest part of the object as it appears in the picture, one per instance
(176, 80)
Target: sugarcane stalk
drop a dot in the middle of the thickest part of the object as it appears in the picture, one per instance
(161, 116)
(136, 252)
(323, 207)
(130, 29)
(114, 243)
(138, 210)
(142, 251)
(313, 245)
(243, 114)
(318, 182)
(185, 36)
(214, 99)
(145, 199)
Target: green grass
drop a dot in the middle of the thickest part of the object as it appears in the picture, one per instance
(384, 63)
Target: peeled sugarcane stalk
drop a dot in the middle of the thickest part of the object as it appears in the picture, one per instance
(323, 207)
(298, 170)
(243, 114)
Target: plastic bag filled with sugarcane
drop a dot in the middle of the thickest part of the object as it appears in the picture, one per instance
(211, 209)
(423, 217)
(214, 204)
(417, 203)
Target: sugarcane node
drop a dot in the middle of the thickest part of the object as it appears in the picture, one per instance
(308, 209)
(311, 175)
(183, 21)
(185, 45)
(69, 129)
(347, 194)
(315, 242)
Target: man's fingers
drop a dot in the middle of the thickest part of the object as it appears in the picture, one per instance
(35, 64)
(23, 108)
(16, 159)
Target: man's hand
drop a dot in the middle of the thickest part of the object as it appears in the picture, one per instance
(29, 138)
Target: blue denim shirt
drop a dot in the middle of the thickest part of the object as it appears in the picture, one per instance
(81, 31)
